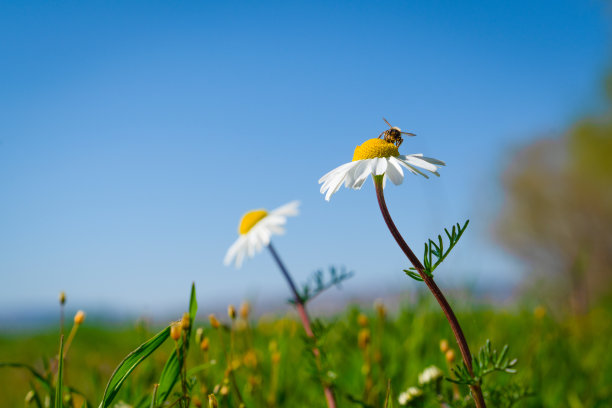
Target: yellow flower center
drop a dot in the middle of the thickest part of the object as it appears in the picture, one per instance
(249, 220)
(375, 148)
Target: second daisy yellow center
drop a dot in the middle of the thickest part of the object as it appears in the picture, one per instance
(249, 220)
(375, 148)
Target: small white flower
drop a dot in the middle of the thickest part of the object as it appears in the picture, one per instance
(376, 157)
(431, 373)
(255, 229)
(409, 395)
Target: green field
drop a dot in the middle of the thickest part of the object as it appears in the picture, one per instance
(564, 361)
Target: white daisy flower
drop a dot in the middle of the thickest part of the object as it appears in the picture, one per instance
(255, 229)
(430, 374)
(409, 395)
(376, 157)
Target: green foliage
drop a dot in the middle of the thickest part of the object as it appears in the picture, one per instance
(486, 362)
(564, 362)
(317, 283)
(128, 365)
(171, 372)
(435, 253)
(59, 391)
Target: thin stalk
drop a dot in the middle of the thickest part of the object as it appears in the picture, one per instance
(301, 309)
(435, 290)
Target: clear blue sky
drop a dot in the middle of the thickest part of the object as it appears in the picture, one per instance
(133, 136)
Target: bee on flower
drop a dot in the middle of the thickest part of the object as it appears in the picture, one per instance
(378, 157)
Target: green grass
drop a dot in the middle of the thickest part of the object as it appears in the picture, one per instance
(566, 362)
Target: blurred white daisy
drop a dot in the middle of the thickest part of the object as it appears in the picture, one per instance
(430, 374)
(376, 157)
(255, 229)
(409, 395)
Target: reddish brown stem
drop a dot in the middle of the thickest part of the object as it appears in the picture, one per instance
(435, 290)
(301, 309)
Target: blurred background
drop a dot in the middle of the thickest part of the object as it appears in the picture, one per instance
(134, 135)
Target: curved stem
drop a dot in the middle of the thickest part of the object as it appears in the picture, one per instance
(301, 309)
(435, 290)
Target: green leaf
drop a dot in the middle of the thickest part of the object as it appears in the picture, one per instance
(125, 368)
(172, 369)
(59, 400)
(413, 275)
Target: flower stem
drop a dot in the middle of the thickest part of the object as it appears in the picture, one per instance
(435, 290)
(301, 309)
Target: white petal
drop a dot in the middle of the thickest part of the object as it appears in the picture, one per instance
(394, 171)
(287, 210)
(333, 180)
(415, 160)
(413, 169)
(354, 173)
(380, 166)
(365, 172)
(341, 168)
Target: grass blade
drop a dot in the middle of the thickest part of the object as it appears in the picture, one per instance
(172, 369)
(128, 365)
(59, 400)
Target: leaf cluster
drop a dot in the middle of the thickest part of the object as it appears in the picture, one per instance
(486, 362)
(318, 284)
(435, 253)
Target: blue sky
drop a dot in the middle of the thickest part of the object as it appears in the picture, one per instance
(135, 134)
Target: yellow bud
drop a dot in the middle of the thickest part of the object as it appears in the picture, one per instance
(539, 312)
(185, 321)
(231, 312)
(363, 338)
(450, 355)
(175, 331)
(214, 322)
(199, 335)
(62, 298)
(30, 396)
(444, 345)
(212, 401)
(196, 401)
(224, 390)
(250, 359)
(79, 317)
(204, 344)
(276, 357)
(245, 309)
(362, 320)
(381, 310)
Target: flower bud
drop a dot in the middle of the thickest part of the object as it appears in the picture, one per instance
(185, 321)
(362, 320)
(245, 310)
(199, 335)
(214, 322)
(231, 312)
(79, 317)
(196, 401)
(212, 401)
(175, 331)
(539, 312)
(62, 298)
(204, 344)
(363, 339)
(29, 397)
(381, 310)
(450, 356)
(444, 345)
